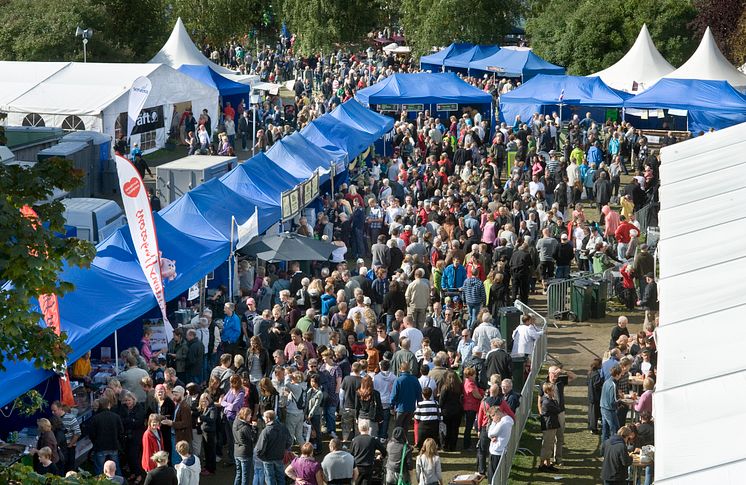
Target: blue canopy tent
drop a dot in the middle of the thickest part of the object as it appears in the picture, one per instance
(296, 155)
(229, 90)
(352, 113)
(544, 94)
(461, 62)
(702, 104)
(434, 62)
(511, 62)
(259, 178)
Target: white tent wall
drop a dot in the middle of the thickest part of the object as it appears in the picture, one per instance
(698, 402)
(98, 94)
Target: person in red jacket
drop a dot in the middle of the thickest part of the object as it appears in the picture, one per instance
(152, 441)
(623, 237)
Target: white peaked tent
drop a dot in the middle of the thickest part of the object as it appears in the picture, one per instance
(640, 68)
(702, 303)
(179, 50)
(708, 63)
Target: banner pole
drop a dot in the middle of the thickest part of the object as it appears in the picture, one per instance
(230, 261)
(116, 351)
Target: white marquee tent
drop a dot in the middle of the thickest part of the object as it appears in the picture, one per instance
(640, 68)
(92, 96)
(180, 50)
(701, 388)
(708, 63)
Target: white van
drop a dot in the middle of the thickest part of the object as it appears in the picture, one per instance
(95, 219)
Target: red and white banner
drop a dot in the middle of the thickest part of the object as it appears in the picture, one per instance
(138, 95)
(142, 228)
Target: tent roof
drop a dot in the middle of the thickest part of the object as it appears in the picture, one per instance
(578, 91)
(422, 87)
(179, 50)
(88, 88)
(297, 155)
(207, 75)
(708, 62)
(690, 94)
(437, 58)
(515, 62)
(700, 288)
(477, 52)
(18, 77)
(642, 64)
(352, 113)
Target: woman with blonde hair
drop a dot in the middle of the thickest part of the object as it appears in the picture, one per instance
(207, 420)
(427, 466)
(162, 474)
(257, 360)
(46, 439)
(152, 442)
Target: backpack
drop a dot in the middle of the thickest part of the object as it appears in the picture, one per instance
(301, 401)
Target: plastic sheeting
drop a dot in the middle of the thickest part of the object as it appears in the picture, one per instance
(434, 62)
(515, 62)
(701, 312)
(544, 90)
(425, 88)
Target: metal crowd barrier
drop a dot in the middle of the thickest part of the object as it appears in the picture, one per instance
(647, 216)
(523, 412)
(558, 298)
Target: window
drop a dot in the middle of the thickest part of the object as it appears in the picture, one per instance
(33, 119)
(147, 140)
(73, 123)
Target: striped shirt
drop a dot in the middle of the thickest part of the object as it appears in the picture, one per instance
(71, 426)
(427, 411)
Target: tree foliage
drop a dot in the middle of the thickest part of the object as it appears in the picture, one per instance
(44, 30)
(727, 21)
(433, 23)
(31, 258)
(321, 24)
(218, 21)
(589, 36)
(19, 474)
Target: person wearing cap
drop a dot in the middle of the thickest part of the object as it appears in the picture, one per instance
(180, 422)
(563, 256)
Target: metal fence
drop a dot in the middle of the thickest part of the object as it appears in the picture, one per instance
(558, 298)
(647, 216)
(527, 397)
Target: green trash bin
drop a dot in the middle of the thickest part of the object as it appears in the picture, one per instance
(581, 299)
(600, 291)
(509, 317)
(519, 376)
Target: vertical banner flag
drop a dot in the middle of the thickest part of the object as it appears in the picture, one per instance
(138, 94)
(248, 230)
(142, 228)
(50, 311)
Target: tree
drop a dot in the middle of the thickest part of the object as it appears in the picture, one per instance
(31, 259)
(433, 23)
(590, 36)
(723, 17)
(320, 24)
(218, 21)
(135, 29)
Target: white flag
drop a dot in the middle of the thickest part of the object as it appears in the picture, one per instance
(138, 94)
(248, 230)
(142, 228)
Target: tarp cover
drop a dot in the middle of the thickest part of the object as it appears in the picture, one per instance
(207, 75)
(515, 62)
(542, 90)
(179, 50)
(701, 300)
(640, 68)
(461, 61)
(423, 87)
(434, 62)
(710, 104)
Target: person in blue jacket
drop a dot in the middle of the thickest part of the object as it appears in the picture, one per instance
(453, 276)
(231, 333)
(405, 395)
(609, 419)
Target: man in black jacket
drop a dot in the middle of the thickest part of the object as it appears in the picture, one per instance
(563, 256)
(271, 445)
(105, 430)
(616, 458)
(649, 300)
(195, 355)
(520, 271)
(498, 361)
(363, 449)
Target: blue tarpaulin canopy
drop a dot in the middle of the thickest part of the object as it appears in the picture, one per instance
(194, 231)
(434, 62)
(462, 61)
(225, 86)
(709, 104)
(512, 62)
(546, 92)
(422, 88)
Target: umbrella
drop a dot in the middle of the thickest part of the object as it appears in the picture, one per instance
(288, 246)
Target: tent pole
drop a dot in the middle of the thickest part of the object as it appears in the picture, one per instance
(116, 351)
(253, 128)
(332, 169)
(230, 261)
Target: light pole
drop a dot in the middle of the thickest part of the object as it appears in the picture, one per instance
(86, 35)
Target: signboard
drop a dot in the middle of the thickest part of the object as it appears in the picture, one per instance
(511, 160)
(290, 203)
(310, 189)
(447, 107)
(413, 107)
(150, 119)
(497, 69)
(388, 108)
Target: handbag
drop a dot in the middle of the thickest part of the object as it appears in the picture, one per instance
(402, 480)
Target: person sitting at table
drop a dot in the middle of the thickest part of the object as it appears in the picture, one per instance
(643, 365)
(640, 344)
(81, 368)
(645, 435)
(645, 403)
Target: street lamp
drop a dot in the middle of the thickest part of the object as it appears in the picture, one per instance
(86, 35)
